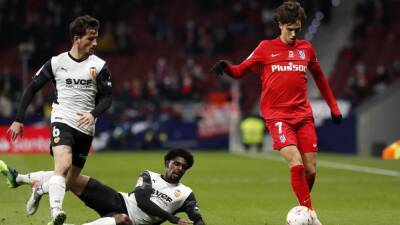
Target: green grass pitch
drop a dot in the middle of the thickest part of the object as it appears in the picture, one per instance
(231, 189)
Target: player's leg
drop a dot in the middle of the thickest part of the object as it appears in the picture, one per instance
(310, 162)
(99, 197)
(62, 141)
(62, 155)
(119, 219)
(15, 179)
(41, 188)
(74, 180)
(285, 140)
(308, 146)
(297, 175)
(10, 174)
(307, 142)
(80, 151)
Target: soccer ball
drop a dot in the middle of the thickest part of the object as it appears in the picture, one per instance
(299, 215)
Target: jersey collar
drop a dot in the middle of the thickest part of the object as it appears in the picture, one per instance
(77, 60)
(278, 41)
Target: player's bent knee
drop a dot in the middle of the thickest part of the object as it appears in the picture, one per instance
(122, 219)
(310, 171)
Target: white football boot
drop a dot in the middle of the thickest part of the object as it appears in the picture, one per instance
(315, 218)
(32, 204)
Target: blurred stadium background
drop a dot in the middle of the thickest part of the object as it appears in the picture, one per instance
(160, 54)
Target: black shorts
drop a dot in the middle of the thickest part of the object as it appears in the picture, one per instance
(103, 199)
(62, 134)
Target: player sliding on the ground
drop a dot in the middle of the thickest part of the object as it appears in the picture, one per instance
(282, 64)
(155, 199)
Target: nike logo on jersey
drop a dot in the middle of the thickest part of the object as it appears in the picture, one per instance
(274, 55)
(63, 68)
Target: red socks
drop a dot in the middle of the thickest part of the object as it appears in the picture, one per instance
(300, 186)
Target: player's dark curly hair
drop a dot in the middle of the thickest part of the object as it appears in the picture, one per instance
(80, 24)
(289, 12)
(184, 153)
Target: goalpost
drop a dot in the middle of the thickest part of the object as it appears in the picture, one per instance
(235, 144)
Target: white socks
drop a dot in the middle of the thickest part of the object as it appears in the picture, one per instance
(40, 176)
(56, 186)
(103, 221)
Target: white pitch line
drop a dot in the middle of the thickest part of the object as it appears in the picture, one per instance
(333, 165)
(361, 169)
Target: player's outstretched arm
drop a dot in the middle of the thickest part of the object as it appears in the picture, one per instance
(248, 65)
(39, 80)
(326, 91)
(234, 71)
(219, 67)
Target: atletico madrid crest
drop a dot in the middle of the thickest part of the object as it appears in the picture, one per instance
(302, 55)
(282, 138)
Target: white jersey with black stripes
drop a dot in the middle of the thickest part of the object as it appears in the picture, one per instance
(169, 197)
(76, 88)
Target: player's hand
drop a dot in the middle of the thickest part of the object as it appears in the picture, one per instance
(85, 119)
(219, 67)
(184, 221)
(16, 129)
(337, 119)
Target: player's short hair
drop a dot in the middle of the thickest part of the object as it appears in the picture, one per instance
(80, 24)
(184, 153)
(289, 12)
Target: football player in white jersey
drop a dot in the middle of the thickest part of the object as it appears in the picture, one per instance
(156, 198)
(82, 92)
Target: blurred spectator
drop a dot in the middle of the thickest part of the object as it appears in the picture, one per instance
(10, 85)
(222, 39)
(190, 37)
(106, 40)
(6, 106)
(136, 89)
(186, 84)
(381, 80)
(152, 91)
(238, 18)
(206, 44)
(359, 83)
(123, 37)
(159, 23)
